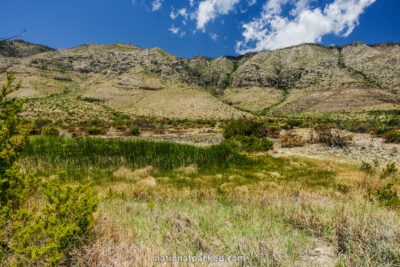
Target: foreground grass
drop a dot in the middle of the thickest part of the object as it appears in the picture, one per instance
(215, 201)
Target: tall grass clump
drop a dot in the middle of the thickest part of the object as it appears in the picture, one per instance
(79, 155)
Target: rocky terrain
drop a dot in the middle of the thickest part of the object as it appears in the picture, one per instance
(97, 80)
(363, 147)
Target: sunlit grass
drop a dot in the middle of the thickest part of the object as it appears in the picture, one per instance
(96, 157)
(159, 198)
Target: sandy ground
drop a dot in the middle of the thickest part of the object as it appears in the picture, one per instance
(363, 147)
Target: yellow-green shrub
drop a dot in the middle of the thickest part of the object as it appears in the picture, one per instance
(39, 221)
(50, 131)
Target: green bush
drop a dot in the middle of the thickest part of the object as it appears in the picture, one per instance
(94, 130)
(50, 131)
(134, 130)
(290, 124)
(97, 122)
(242, 128)
(389, 170)
(40, 123)
(367, 168)
(249, 143)
(250, 128)
(392, 136)
(388, 197)
(63, 220)
(39, 221)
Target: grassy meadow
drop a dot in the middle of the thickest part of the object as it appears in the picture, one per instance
(160, 198)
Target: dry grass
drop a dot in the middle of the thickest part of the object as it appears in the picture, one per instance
(287, 227)
(188, 170)
(147, 182)
(112, 245)
(127, 174)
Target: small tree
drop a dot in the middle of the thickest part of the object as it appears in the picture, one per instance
(13, 136)
(39, 221)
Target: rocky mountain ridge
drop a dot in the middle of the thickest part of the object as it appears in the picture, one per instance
(152, 82)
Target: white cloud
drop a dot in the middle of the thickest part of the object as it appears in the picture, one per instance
(252, 2)
(173, 15)
(272, 30)
(300, 6)
(214, 36)
(156, 5)
(181, 12)
(210, 9)
(174, 30)
(177, 31)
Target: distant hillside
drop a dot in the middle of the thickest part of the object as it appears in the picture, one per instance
(19, 48)
(96, 80)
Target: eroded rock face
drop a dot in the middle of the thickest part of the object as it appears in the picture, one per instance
(378, 64)
(306, 77)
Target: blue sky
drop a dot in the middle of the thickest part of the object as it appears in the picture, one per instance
(202, 27)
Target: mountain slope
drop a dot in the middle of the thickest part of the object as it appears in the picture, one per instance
(96, 80)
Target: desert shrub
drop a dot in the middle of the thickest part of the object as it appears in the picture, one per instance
(392, 136)
(392, 112)
(272, 131)
(389, 170)
(249, 143)
(59, 123)
(367, 168)
(381, 129)
(290, 124)
(96, 122)
(39, 123)
(325, 135)
(63, 220)
(343, 188)
(242, 128)
(289, 140)
(50, 131)
(360, 128)
(94, 130)
(119, 119)
(250, 128)
(393, 122)
(388, 197)
(72, 129)
(39, 221)
(134, 130)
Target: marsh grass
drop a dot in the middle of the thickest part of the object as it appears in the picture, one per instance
(97, 157)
